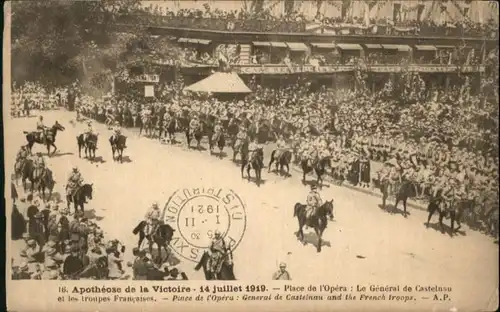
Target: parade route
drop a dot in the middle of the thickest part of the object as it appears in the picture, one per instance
(364, 245)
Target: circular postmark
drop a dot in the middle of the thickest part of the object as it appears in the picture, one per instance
(196, 213)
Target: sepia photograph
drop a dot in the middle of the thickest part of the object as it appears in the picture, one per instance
(280, 154)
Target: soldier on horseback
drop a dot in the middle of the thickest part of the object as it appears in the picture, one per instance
(194, 124)
(75, 181)
(117, 132)
(152, 219)
(313, 202)
(22, 155)
(217, 130)
(282, 146)
(89, 131)
(40, 164)
(42, 128)
(219, 253)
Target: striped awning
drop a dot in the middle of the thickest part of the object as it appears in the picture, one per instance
(261, 44)
(296, 46)
(278, 44)
(324, 45)
(349, 46)
(425, 48)
(399, 47)
(373, 46)
(196, 41)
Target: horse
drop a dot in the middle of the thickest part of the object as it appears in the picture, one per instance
(318, 221)
(221, 142)
(282, 161)
(444, 210)
(46, 182)
(197, 134)
(254, 162)
(48, 140)
(27, 173)
(319, 168)
(90, 145)
(404, 190)
(118, 145)
(79, 197)
(170, 128)
(226, 273)
(162, 237)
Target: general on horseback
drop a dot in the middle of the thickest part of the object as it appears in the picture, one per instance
(314, 214)
(88, 141)
(282, 156)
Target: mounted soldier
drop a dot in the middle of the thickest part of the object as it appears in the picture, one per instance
(282, 146)
(313, 201)
(21, 157)
(194, 124)
(75, 181)
(152, 219)
(39, 163)
(117, 131)
(41, 128)
(217, 130)
(219, 253)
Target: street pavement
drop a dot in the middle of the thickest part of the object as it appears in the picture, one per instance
(364, 245)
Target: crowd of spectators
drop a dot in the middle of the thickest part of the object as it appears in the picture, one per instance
(30, 96)
(265, 21)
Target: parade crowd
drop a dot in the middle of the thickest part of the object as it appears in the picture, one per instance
(444, 143)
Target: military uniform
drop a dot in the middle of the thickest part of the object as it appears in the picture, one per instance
(152, 219)
(219, 254)
(314, 201)
(74, 182)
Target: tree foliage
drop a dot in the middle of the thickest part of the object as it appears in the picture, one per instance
(57, 42)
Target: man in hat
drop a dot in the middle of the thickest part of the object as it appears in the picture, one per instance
(282, 274)
(39, 164)
(152, 219)
(281, 147)
(21, 157)
(75, 181)
(117, 131)
(217, 131)
(219, 253)
(313, 201)
(89, 131)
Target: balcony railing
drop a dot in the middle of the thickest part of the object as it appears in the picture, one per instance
(257, 25)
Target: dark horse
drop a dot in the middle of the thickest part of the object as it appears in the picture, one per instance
(49, 139)
(45, 181)
(118, 145)
(162, 237)
(79, 197)
(444, 209)
(221, 142)
(226, 273)
(27, 173)
(319, 167)
(402, 192)
(283, 161)
(90, 145)
(255, 162)
(197, 135)
(318, 221)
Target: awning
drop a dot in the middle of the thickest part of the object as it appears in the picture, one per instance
(220, 83)
(373, 46)
(425, 48)
(349, 46)
(399, 47)
(196, 41)
(278, 45)
(296, 46)
(261, 44)
(323, 45)
(445, 47)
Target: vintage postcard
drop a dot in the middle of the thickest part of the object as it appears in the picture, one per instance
(272, 155)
